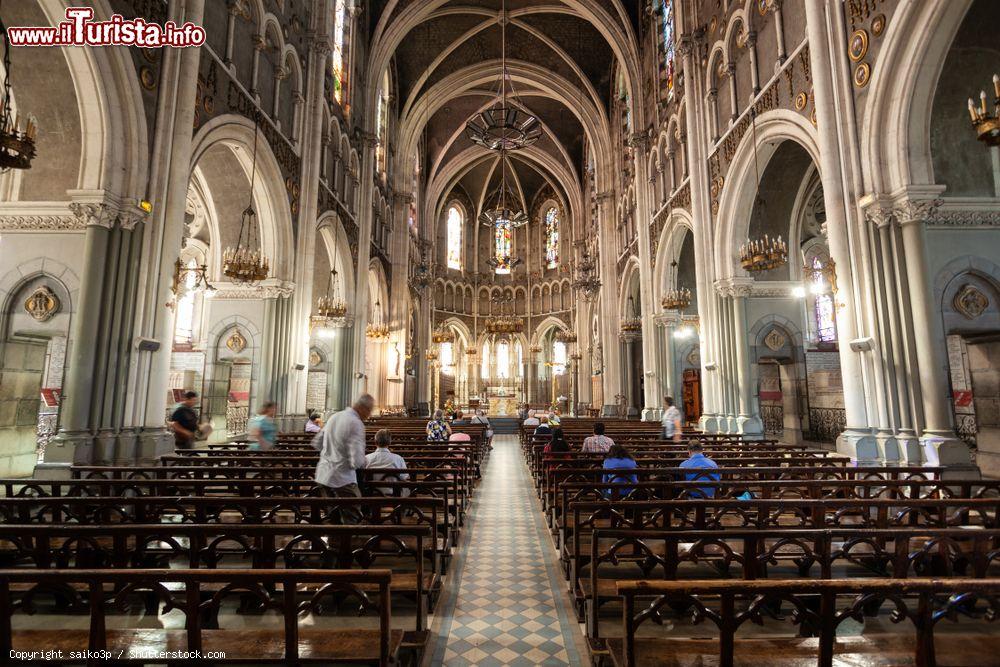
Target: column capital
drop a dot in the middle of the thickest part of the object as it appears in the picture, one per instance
(668, 319)
(685, 46)
(606, 196)
(734, 286)
(639, 140)
(97, 208)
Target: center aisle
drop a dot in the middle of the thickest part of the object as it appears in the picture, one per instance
(506, 603)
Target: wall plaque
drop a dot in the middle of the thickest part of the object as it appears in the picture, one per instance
(971, 302)
(42, 304)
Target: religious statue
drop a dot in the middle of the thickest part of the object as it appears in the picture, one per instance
(597, 358)
(399, 358)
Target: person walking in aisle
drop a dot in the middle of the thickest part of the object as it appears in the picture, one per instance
(671, 421)
(342, 449)
(262, 430)
(184, 422)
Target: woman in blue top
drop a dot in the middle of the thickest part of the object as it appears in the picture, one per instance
(618, 458)
(261, 428)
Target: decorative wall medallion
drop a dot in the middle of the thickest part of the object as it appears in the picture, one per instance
(715, 208)
(42, 304)
(812, 117)
(858, 46)
(694, 357)
(762, 7)
(801, 100)
(775, 340)
(878, 25)
(209, 104)
(971, 302)
(147, 78)
(862, 75)
(713, 23)
(314, 358)
(236, 342)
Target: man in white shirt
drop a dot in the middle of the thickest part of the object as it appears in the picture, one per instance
(383, 458)
(671, 421)
(532, 420)
(342, 448)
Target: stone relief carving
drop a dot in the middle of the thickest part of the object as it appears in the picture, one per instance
(971, 302)
(694, 357)
(775, 340)
(41, 223)
(42, 304)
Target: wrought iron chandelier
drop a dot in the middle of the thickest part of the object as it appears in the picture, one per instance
(632, 324)
(676, 299)
(376, 330)
(502, 203)
(329, 306)
(246, 263)
(189, 278)
(986, 124)
(503, 126)
(442, 334)
(586, 282)
(767, 253)
(504, 324)
(567, 336)
(17, 147)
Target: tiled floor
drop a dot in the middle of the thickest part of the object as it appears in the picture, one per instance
(505, 602)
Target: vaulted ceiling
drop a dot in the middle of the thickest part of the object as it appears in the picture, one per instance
(551, 39)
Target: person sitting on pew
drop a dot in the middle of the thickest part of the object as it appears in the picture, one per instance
(383, 458)
(554, 419)
(314, 424)
(697, 460)
(480, 418)
(342, 449)
(438, 430)
(597, 443)
(543, 428)
(618, 458)
(532, 420)
(460, 419)
(558, 444)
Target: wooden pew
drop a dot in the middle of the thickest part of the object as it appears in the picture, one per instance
(286, 643)
(727, 605)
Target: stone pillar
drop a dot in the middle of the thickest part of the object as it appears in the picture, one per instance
(856, 439)
(749, 422)
(365, 221)
(667, 324)
(940, 444)
(337, 396)
(609, 300)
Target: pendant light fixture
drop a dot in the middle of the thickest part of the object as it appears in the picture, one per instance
(376, 330)
(246, 262)
(767, 253)
(17, 147)
(503, 126)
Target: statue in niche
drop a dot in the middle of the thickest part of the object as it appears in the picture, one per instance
(399, 358)
(597, 358)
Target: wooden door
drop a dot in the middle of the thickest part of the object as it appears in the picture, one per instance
(692, 395)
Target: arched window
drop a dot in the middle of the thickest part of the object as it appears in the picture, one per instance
(184, 324)
(826, 320)
(455, 224)
(503, 246)
(559, 357)
(447, 355)
(552, 238)
(668, 46)
(503, 360)
(339, 68)
(484, 369)
(519, 352)
(382, 121)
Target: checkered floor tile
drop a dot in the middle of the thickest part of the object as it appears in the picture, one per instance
(507, 603)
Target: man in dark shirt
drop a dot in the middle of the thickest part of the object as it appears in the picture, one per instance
(184, 421)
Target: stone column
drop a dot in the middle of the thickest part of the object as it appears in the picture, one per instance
(857, 433)
(940, 444)
(337, 396)
(749, 421)
(667, 324)
(365, 221)
(609, 300)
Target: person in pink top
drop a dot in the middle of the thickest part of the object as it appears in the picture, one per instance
(597, 443)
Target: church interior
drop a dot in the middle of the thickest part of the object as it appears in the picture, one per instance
(497, 249)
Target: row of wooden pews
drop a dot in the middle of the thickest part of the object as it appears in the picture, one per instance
(791, 557)
(224, 555)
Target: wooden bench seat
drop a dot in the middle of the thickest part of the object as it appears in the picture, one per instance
(881, 650)
(322, 646)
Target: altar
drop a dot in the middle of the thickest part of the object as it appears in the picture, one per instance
(498, 401)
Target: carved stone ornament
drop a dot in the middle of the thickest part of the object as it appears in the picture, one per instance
(694, 357)
(42, 304)
(236, 343)
(971, 302)
(775, 340)
(314, 358)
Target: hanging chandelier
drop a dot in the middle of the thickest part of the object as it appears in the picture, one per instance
(17, 147)
(767, 253)
(986, 124)
(442, 334)
(632, 324)
(503, 126)
(586, 281)
(329, 306)
(676, 299)
(504, 324)
(567, 336)
(376, 330)
(246, 262)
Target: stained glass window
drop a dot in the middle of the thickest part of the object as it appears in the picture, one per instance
(447, 354)
(668, 44)
(184, 324)
(339, 18)
(503, 246)
(552, 238)
(520, 359)
(455, 238)
(382, 119)
(484, 369)
(826, 322)
(503, 360)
